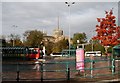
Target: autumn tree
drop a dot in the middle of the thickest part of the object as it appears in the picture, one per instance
(49, 47)
(60, 45)
(2, 42)
(14, 40)
(79, 36)
(108, 33)
(33, 38)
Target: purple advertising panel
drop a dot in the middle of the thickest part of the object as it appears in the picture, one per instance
(80, 60)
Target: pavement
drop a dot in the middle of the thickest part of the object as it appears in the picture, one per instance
(71, 81)
(76, 80)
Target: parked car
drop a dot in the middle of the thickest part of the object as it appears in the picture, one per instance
(56, 54)
(94, 53)
(59, 54)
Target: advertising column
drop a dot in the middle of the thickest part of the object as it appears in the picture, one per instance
(80, 59)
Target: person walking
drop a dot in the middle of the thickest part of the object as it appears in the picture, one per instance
(37, 65)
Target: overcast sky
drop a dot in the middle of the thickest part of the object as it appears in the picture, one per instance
(44, 16)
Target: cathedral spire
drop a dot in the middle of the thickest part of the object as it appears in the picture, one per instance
(58, 22)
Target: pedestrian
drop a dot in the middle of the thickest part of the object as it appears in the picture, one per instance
(41, 54)
(37, 66)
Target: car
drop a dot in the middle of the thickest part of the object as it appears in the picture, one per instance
(94, 53)
(56, 54)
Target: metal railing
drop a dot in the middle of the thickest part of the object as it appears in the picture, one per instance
(65, 69)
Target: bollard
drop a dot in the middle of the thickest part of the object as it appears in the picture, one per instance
(17, 76)
(41, 71)
(68, 74)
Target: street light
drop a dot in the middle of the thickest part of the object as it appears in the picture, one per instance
(69, 5)
(92, 40)
(14, 26)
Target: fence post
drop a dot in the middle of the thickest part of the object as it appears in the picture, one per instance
(17, 76)
(68, 74)
(113, 66)
(67, 71)
(18, 72)
(41, 71)
(91, 68)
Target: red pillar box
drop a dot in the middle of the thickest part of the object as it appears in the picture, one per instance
(80, 59)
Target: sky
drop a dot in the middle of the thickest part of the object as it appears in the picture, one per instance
(18, 17)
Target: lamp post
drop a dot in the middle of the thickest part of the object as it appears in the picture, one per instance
(69, 5)
(92, 43)
(14, 26)
(92, 40)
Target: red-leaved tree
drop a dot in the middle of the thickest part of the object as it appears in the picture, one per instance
(108, 33)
